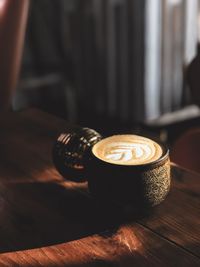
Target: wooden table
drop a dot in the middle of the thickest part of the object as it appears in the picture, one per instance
(46, 220)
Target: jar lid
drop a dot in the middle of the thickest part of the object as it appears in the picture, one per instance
(71, 152)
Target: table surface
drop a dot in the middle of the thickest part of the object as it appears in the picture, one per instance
(46, 220)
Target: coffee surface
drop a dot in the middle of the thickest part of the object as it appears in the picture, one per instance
(127, 149)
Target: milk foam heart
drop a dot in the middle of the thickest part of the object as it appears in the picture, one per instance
(127, 150)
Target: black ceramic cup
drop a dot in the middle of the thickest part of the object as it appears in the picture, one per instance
(141, 185)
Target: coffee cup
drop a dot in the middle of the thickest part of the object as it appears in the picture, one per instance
(129, 169)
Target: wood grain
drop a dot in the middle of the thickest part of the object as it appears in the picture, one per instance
(178, 218)
(46, 220)
(129, 246)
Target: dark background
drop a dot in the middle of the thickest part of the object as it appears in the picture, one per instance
(85, 61)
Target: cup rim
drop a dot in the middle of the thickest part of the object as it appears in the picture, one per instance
(163, 157)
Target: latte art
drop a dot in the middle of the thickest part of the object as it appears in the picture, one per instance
(127, 150)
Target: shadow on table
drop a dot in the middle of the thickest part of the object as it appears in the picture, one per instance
(41, 214)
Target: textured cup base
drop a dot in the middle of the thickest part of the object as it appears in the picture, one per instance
(138, 187)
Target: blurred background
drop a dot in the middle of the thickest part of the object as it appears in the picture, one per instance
(113, 65)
